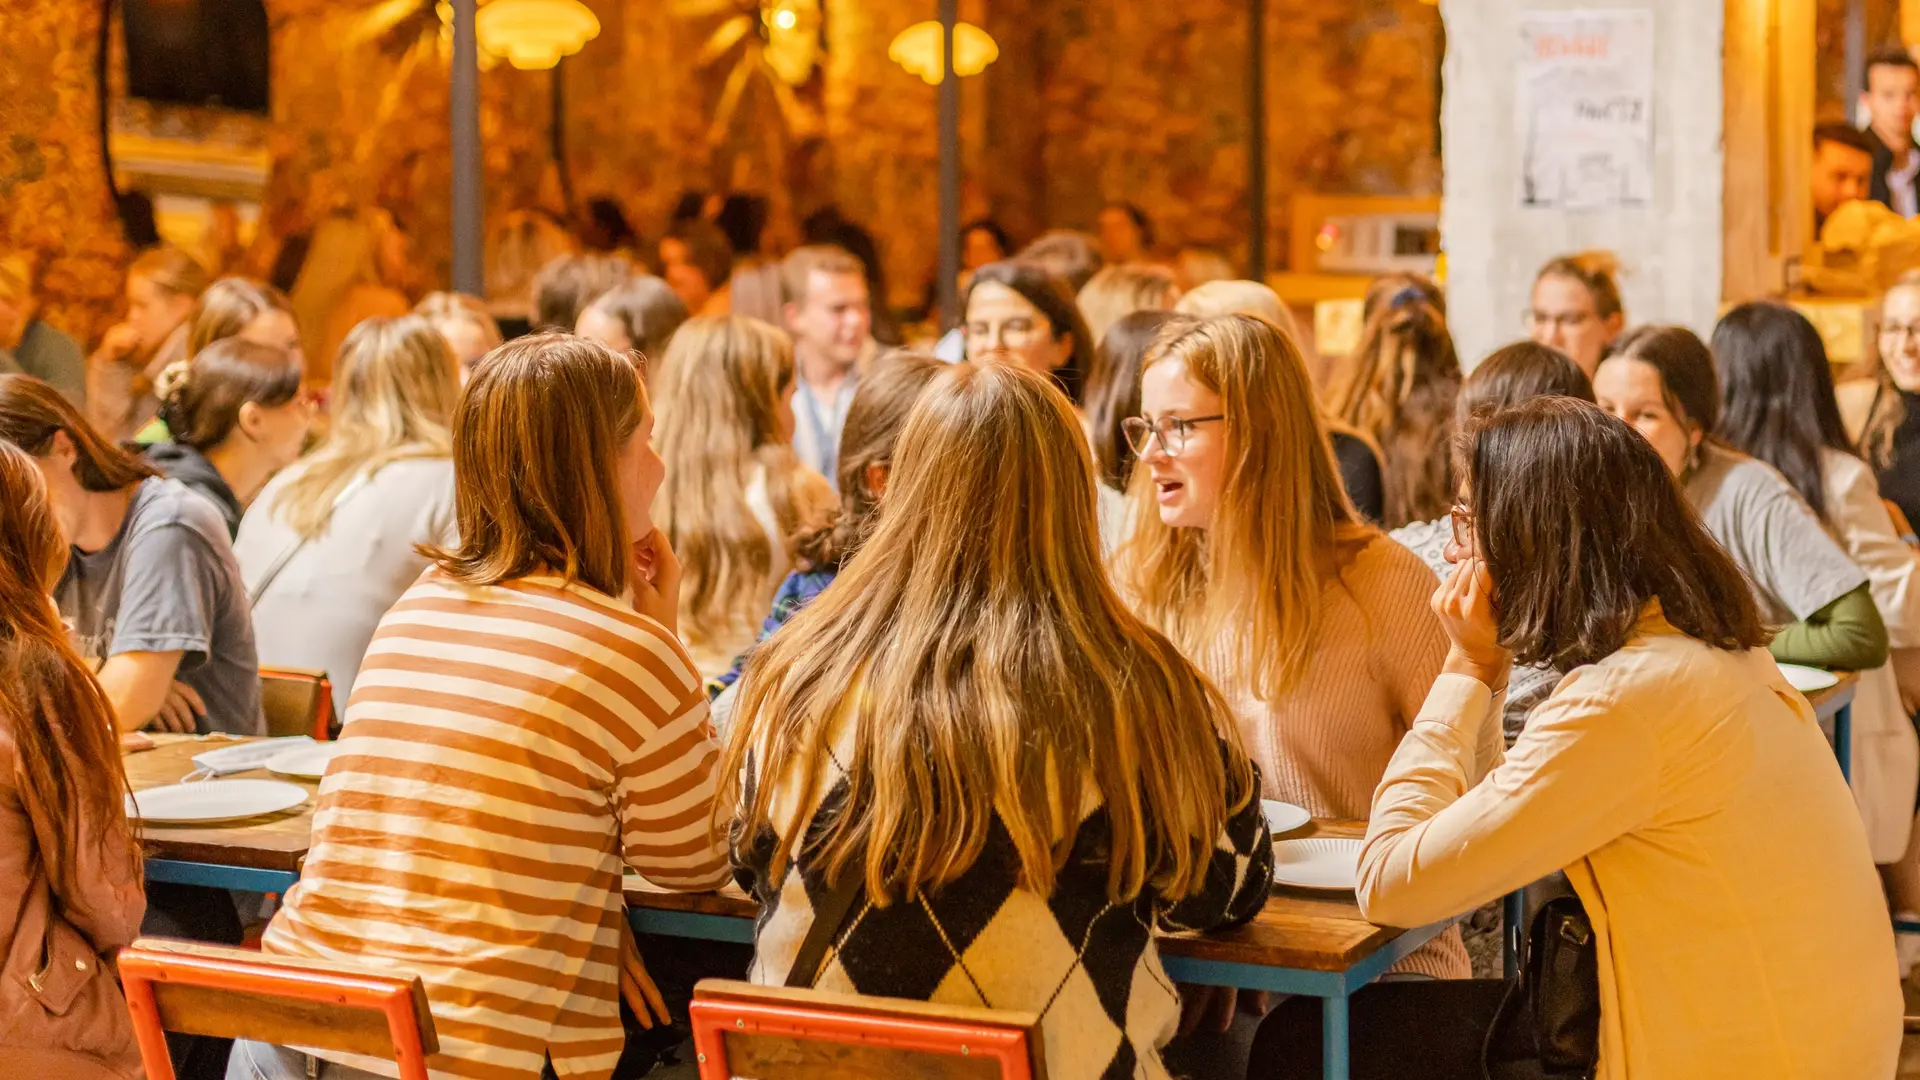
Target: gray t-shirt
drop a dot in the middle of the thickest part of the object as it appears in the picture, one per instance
(1795, 567)
(169, 581)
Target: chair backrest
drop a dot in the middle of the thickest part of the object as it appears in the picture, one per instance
(297, 701)
(776, 1033)
(241, 994)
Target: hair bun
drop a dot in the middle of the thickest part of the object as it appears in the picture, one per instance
(169, 386)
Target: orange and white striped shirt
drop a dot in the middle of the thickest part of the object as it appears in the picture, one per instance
(507, 750)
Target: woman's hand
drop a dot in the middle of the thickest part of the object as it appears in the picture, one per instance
(181, 712)
(122, 342)
(656, 580)
(1211, 1008)
(636, 986)
(1465, 605)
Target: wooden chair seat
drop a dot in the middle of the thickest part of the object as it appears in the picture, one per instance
(776, 1033)
(298, 701)
(228, 993)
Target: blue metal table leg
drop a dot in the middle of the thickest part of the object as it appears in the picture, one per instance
(1334, 1038)
(1512, 926)
(1843, 740)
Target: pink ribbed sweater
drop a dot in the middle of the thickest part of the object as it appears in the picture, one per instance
(1325, 743)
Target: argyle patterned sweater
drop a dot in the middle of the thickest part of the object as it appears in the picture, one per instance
(1087, 966)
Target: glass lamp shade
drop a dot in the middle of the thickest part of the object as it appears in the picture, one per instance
(917, 49)
(534, 34)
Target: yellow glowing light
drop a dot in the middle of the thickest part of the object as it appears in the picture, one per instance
(785, 19)
(534, 34)
(918, 50)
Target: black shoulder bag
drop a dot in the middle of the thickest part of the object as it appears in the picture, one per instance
(1548, 1025)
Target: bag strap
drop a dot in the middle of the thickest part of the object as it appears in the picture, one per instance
(273, 571)
(828, 917)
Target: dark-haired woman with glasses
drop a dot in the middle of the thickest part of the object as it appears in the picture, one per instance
(1682, 784)
(1246, 552)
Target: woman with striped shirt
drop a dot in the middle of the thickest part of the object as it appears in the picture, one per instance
(526, 726)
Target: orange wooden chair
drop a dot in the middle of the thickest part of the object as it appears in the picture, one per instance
(298, 701)
(237, 994)
(776, 1033)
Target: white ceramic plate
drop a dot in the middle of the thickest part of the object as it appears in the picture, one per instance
(214, 800)
(1808, 679)
(1320, 863)
(1283, 817)
(307, 762)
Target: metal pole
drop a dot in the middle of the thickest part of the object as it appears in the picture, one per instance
(949, 170)
(1257, 138)
(468, 274)
(1856, 53)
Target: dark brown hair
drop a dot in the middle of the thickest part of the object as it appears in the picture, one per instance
(1398, 388)
(567, 284)
(536, 439)
(67, 759)
(707, 249)
(1113, 389)
(1776, 396)
(648, 309)
(31, 412)
(874, 420)
(1688, 382)
(200, 398)
(1519, 372)
(1052, 295)
(1574, 572)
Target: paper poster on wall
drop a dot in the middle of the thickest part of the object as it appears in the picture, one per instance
(1585, 109)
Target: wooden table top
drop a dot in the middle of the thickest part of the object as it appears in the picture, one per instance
(268, 842)
(1820, 699)
(1303, 929)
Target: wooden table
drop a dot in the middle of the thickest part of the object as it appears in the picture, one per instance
(261, 854)
(1302, 942)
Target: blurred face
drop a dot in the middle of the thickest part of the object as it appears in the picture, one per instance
(978, 248)
(1900, 336)
(1120, 239)
(1563, 315)
(1002, 324)
(1841, 174)
(466, 340)
(641, 473)
(275, 328)
(154, 312)
(832, 320)
(686, 280)
(278, 433)
(1633, 391)
(1186, 479)
(597, 325)
(1892, 100)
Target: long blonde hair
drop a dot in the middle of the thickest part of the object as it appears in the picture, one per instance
(720, 391)
(1245, 592)
(395, 385)
(984, 665)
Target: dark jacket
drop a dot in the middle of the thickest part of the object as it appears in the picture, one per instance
(191, 467)
(1882, 164)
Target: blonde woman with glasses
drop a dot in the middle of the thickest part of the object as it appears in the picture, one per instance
(736, 498)
(969, 773)
(330, 544)
(1246, 552)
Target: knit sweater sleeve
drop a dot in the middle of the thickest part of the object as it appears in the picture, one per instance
(1238, 876)
(1409, 646)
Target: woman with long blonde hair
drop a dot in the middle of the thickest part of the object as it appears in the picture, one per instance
(330, 544)
(736, 498)
(968, 729)
(162, 287)
(1247, 553)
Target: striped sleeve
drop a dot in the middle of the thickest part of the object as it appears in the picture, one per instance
(665, 794)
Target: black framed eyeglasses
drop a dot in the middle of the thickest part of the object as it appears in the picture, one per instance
(1171, 430)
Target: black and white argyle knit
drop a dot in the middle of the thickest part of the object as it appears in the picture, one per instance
(1088, 967)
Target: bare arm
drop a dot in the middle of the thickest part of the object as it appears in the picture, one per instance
(142, 691)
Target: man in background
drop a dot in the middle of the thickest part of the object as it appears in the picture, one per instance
(1892, 100)
(1842, 169)
(829, 312)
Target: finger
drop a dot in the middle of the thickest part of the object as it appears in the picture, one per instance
(192, 698)
(1220, 1010)
(1255, 1002)
(635, 1000)
(653, 994)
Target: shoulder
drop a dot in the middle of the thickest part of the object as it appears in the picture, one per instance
(1428, 540)
(1848, 479)
(422, 475)
(1382, 564)
(1729, 481)
(163, 501)
(1855, 398)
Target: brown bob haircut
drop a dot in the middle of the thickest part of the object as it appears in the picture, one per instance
(1574, 571)
(1520, 372)
(536, 438)
(31, 412)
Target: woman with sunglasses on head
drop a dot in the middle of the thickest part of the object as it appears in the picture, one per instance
(1679, 780)
(1245, 551)
(1661, 381)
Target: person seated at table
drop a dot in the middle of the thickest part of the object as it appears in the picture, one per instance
(1314, 624)
(30, 345)
(162, 287)
(639, 315)
(1661, 381)
(874, 419)
(1882, 410)
(735, 498)
(1576, 307)
(1519, 372)
(1120, 290)
(696, 260)
(564, 287)
(463, 319)
(236, 414)
(70, 889)
(1113, 395)
(1679, 780)
(908, 741)
(331, 543)
(525, 726)
(1019, 312)
(243, 308)
(151, 593)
